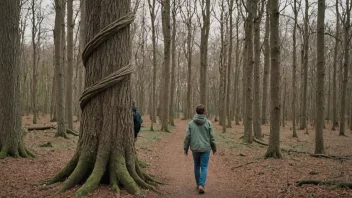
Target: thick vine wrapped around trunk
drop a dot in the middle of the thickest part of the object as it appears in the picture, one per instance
(106, 143)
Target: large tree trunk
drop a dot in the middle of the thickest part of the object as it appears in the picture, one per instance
(266, 64)
(69, 75)
(319, 122)
(248, 132)
(11, 133)
(294, 71)
(60, 109)
(106, 144)
(304, 107)
(166, 24)
(204, 52)
(345, 69)
(256, 108)
(274, 140)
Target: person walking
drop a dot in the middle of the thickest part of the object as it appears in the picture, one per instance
(137, 121)
(200, 139)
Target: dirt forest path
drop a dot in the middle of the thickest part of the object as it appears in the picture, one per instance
(174, 168)
(237, 171)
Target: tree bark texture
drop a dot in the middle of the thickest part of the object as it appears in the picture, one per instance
(248, 130)
(188, 111)
(153, 17)
(266, 64)
(274, 140)
(69, 75)
(173, 65)
(319, 122)
(106, 143)
(204, 53)
(303, 122)
(166, 25)
(222, 69)
(256, 102)
(229, 66)
(35, 52)
(60, 108)
(294, 70)
(345, 69)
(237, 101)
(11, 133)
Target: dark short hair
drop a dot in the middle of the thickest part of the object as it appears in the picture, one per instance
(200, 109)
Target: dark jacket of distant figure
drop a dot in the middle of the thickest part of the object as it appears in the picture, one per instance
(200, 135)
(137, 121)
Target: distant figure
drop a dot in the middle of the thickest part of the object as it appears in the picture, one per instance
(200, 138)
(137, 120)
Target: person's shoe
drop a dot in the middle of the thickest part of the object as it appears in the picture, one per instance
(201, 189)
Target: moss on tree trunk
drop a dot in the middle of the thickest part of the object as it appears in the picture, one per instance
(11, 133)
(105, 148)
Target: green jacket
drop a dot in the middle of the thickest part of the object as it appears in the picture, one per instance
(200, 135)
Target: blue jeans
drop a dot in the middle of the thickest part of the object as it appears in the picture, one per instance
(201, 160)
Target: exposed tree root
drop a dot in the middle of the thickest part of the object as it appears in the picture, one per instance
(64, 135)
(334, 184)
(72, 132)
(121, 170)
(260, 142)
(143, 164)
(19, 151)
(273, 153)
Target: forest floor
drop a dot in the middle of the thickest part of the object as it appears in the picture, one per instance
(258, 177)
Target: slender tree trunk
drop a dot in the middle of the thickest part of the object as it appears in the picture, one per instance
(60, 109)
(248, 132)
(152, 16)
(189, 73)
(229, 66)
(274, 140)
(351, 105)
(303, 124)
(237, 76)
(11, 133)
(294, 70)
(244, 79)
(141, 74)
(35, 52)
(256, 108)
(284, 93)
(266, 64)
(319, 123)
(345, 69)
(222, 70)
(53, 98)
(69, 75)
(173, 65)
(204, 52)
(166, 71)
(63, 48)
